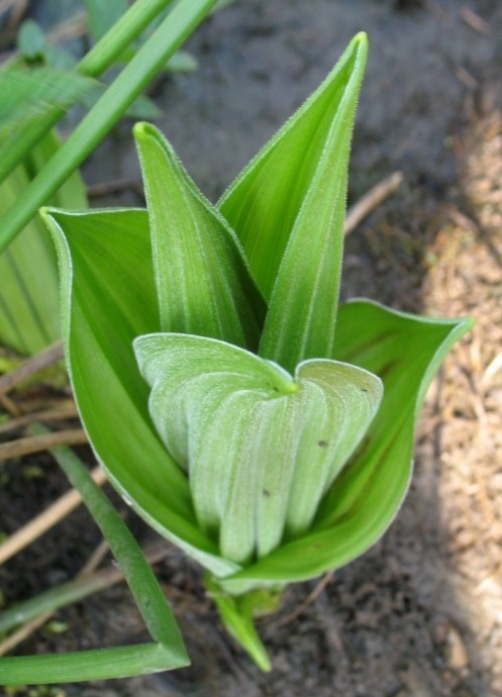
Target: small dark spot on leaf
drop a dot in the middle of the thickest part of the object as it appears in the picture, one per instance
(265, 492)
(322, 443)
(363, 389)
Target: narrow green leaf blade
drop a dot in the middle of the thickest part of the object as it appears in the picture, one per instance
(111, 303)
(29, 93)
(405, 351)
(203, 285)
(94, 664)
(264, 201)
(303, 306)
(152, 56)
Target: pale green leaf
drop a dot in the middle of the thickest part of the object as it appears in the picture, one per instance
(261, 447)
(405, 351)
(263, 203)
(108, 298)
(203, 285)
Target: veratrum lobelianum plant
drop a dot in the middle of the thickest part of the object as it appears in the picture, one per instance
(268, 431)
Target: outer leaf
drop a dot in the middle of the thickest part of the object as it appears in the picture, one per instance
(303, 306)
(264, 201)
(405, 351)
(260, 446)
(112, 302)
(203, 284)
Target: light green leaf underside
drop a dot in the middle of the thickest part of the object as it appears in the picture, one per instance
(405, 351)
(302, 312)
(203, 285)
(263, 203)
(108, 299)
(260, 446)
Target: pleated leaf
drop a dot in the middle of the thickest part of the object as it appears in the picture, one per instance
(203, 284)
(405, 351)
(261, 447)
(265, 200)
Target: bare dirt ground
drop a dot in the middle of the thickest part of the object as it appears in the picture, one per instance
(420, 615)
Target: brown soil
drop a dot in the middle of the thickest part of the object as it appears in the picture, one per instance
(420, 615)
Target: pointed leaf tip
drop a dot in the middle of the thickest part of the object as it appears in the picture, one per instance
(203, 284)
(303, 304)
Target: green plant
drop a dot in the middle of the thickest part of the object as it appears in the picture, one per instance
(271, 438)
(284, 422)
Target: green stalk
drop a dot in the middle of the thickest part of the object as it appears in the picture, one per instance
(52, 600)
(98, 664)
(93, 64)
(167, 653)
(154, 53)
(113, 43)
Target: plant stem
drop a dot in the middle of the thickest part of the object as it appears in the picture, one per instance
(154, 53)
(93, 64)
(113, 43)
(169, 651)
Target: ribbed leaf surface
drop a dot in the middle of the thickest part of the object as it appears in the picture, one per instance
(261, 447)
(404, 351)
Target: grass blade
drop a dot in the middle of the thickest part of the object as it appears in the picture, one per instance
(169, 651)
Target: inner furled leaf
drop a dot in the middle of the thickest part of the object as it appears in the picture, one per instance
(203, 284)
(303, 307)
(263, 203)
(404, 351)
(261, 448)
